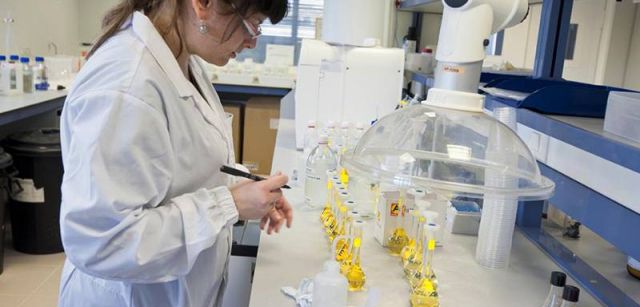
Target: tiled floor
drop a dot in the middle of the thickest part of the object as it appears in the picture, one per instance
(30, 280)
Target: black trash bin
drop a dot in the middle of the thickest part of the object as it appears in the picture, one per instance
(6, 172)
(35, 197)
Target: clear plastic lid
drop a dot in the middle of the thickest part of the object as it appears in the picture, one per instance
(453, 152)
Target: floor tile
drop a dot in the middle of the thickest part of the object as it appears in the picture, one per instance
(23, 280)
(40, 301)
(50, 286)
(12, 300)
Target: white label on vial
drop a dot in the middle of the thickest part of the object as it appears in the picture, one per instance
(29, 193)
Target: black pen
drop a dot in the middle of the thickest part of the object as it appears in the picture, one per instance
(236, 172)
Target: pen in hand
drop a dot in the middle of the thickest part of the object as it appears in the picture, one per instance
(238, 173)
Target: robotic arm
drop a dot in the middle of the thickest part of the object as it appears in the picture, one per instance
(466, 27)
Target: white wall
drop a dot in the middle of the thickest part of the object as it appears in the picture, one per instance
(39, 22)
(91, 15)
(520, 42)
(430, 30)
(632, 78)
(589, 15)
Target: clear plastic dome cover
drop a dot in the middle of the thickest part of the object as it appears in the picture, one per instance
(448, 151)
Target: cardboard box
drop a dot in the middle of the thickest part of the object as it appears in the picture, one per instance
(236, 126)
(261, 119)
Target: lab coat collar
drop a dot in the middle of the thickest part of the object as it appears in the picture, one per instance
(148, 34)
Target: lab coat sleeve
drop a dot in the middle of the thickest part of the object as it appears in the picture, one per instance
(115, 222)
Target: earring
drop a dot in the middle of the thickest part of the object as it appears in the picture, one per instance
(202, 27)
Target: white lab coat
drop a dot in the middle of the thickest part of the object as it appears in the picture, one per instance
(146, 215)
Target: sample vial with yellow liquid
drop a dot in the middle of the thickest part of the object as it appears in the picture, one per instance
(343, 245)
(408, 249)
(333, 220)
(417, 275)
(339, 227)
(326, 211)
(425, 293)
(399, 238)
(414, 258)
(354, 274)
(332, 185)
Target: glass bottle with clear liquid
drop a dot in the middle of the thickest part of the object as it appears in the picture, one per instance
(554, 298)
(319, 162)
(570, 296)
(310, 138)
(355, 275)
(27, 76)
(425, 292)
(399, 239)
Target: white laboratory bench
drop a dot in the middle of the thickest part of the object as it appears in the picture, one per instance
(14, 108)
(286, 258)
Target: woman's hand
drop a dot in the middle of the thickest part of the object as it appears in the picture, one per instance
(280, 214)
(254, 200)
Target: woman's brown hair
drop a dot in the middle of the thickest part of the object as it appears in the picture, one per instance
(113, 21)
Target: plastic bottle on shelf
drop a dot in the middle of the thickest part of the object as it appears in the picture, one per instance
(570, 296)
(319, 162)
(27, 76)
(554, 298)
(330, 288)
(40, 75)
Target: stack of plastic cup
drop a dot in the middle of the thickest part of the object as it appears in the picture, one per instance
(495, 235)
(507, 116)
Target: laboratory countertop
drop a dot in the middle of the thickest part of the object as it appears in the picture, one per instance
(13, 108)
(286, 258)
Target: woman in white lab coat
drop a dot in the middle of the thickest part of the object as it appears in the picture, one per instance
(146, 214)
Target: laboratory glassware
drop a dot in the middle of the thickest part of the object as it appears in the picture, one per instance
(319, 162)
(554, 298)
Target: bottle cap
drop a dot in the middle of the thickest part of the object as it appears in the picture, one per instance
(14, 57)
(24, 60)
(331, 266)
(571, 294)
(311, 123)
(417, 193)
(558, 279)
(331, 124)
(3, 58)
(323, 139)
(345, 125)
(39, 59)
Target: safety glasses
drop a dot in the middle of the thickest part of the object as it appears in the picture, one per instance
(254, 31)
